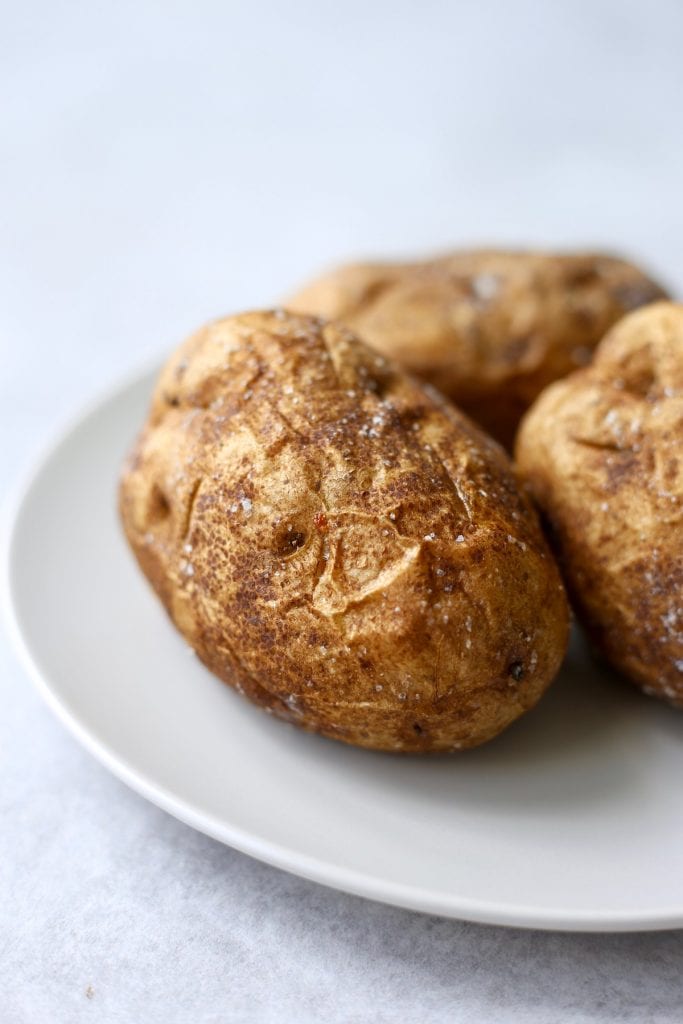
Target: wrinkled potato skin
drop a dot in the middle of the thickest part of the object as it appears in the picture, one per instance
(338, 544)
(602, 453)
(490, 329)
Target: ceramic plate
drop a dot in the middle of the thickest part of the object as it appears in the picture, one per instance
(572, 819)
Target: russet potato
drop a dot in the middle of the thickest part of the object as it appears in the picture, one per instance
(489, 328)
(602, 454)
(337, 542)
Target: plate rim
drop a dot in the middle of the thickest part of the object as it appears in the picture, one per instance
(314, 869)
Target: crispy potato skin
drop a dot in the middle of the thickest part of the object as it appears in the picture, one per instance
(602, 454)
(490, 329)
(339, 544)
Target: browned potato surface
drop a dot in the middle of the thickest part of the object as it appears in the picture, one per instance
(490, 329)
(337, 542)
(602, 452)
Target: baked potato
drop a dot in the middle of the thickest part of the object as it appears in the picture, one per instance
(490, 329)
(338, 543)
(602, 453)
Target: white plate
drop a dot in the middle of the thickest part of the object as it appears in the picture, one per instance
(573, 819)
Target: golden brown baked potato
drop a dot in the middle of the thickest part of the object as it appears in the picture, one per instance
(490, 329)
(602, 452)
(338, 543)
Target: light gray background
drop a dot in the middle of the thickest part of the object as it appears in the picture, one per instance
(161, 163)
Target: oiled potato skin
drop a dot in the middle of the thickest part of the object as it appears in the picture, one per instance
(338, 544)
(602, 453)
(489, 328)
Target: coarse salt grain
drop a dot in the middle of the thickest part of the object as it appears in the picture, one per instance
(485, 286)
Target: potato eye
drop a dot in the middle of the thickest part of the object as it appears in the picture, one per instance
(516, 671)
(289, 541)
(158, 506)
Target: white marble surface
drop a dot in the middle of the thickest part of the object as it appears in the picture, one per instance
(163, 163)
